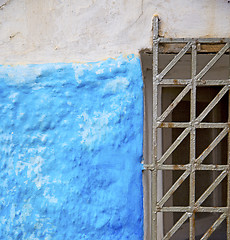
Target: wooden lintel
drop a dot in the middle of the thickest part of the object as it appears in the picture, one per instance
(201, 48)
(174, 48)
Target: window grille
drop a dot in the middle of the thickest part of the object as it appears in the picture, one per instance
(196, 163)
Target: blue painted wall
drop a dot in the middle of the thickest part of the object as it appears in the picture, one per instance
(70, 151)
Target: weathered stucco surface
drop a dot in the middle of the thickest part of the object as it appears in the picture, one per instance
(41, 31)
(70, 150)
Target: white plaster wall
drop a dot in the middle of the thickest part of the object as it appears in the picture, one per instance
(38, 31)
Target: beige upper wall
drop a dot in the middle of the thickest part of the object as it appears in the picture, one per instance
(40, 31)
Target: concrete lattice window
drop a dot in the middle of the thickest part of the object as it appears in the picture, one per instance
(187, 143)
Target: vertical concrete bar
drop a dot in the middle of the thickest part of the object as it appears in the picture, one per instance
(193, 144)
(154, 129)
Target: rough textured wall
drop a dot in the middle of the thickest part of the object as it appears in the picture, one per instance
(41, 31)
(70, 149)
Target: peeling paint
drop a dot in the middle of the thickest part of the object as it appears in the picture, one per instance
(70, 149)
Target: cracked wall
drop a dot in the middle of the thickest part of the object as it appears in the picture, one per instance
(91, 30)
